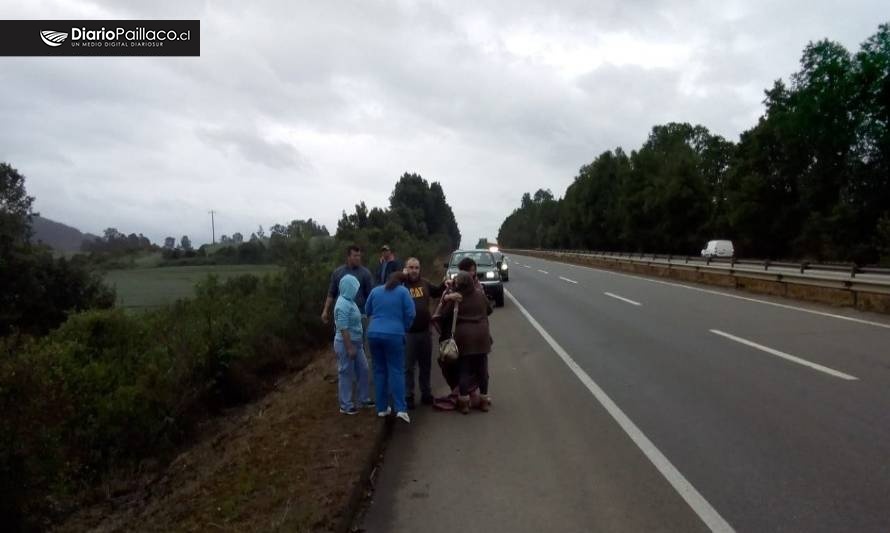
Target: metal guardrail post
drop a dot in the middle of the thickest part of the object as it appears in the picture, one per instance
(803, 266)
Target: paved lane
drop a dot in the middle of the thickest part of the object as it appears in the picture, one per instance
(772, 444)
(547, 457)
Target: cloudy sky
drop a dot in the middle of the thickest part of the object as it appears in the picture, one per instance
(301, 109)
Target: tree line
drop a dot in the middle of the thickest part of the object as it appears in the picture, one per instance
(811, 180)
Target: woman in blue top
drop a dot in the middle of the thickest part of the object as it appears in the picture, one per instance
(391, 312)
(351, 362)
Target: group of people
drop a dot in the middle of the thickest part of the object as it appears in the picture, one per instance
(391, 311)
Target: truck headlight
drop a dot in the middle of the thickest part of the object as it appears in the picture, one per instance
(489, 275)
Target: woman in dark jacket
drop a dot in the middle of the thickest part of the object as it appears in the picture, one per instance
(473, 339)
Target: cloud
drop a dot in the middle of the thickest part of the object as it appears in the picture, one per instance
(251, 146)
(303, 109)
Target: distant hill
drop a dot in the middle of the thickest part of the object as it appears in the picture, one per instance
(57, 235)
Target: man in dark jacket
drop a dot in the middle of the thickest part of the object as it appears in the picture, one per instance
(353, 265)
(419, 346)
(388, 264)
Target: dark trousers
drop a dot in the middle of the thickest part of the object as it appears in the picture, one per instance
(418, 353)
(473, 369)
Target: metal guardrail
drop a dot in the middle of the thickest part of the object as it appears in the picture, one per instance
(845, 276)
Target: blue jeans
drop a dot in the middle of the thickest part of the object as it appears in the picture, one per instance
(351, 372)
(388, 354)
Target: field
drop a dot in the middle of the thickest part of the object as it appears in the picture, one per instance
(145, 288)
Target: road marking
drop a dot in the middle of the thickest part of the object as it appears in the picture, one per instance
(569, 280)
(787, 356)
(699, 504)
(757, 300)
(526, 266)
(543, 271)
(622, 298)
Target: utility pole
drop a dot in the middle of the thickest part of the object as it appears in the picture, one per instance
(213, 226)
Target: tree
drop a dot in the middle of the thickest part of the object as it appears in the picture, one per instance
(237, 238)
(37, 292)
(421, 208)
(15, 209)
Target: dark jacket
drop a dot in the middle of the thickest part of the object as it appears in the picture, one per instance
(472, 334)
(362, 274)
(386, 269)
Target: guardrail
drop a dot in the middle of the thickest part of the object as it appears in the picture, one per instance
(803, 266)
(842, 284)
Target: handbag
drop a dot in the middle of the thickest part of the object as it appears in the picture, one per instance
(448, 348)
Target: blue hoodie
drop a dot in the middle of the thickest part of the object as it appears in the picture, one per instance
(346, 313)
(391, 312)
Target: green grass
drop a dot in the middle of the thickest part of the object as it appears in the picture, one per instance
(145, 288)
(147, 260)
(67, 254)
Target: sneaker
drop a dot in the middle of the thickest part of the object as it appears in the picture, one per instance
(404, 416)
(426, 399)
(410, 402)
(367, 404)
(351, 411)
(384, 414)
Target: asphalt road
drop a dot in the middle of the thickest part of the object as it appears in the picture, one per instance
(624, 403)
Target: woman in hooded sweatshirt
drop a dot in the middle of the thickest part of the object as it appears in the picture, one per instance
(391, 312)
(351, 361)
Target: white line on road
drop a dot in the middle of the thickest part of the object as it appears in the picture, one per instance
(526, 266)
(543, 271)
(699, 504)
(568, 280)
(757, 300)
(787, 356)
(622, 298)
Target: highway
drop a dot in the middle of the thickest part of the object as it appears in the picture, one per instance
(625, 403)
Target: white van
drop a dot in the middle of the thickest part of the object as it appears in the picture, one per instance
(718, 249)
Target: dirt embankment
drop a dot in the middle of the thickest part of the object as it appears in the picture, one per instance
(288, 462)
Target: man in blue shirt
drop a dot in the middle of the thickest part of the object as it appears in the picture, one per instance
(354, 267)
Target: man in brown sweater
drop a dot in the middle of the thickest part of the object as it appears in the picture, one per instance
(418, 344)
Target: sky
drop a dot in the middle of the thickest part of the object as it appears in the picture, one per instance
(301, 109)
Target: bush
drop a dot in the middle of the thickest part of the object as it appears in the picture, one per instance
(107, 389)
(38, 292)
